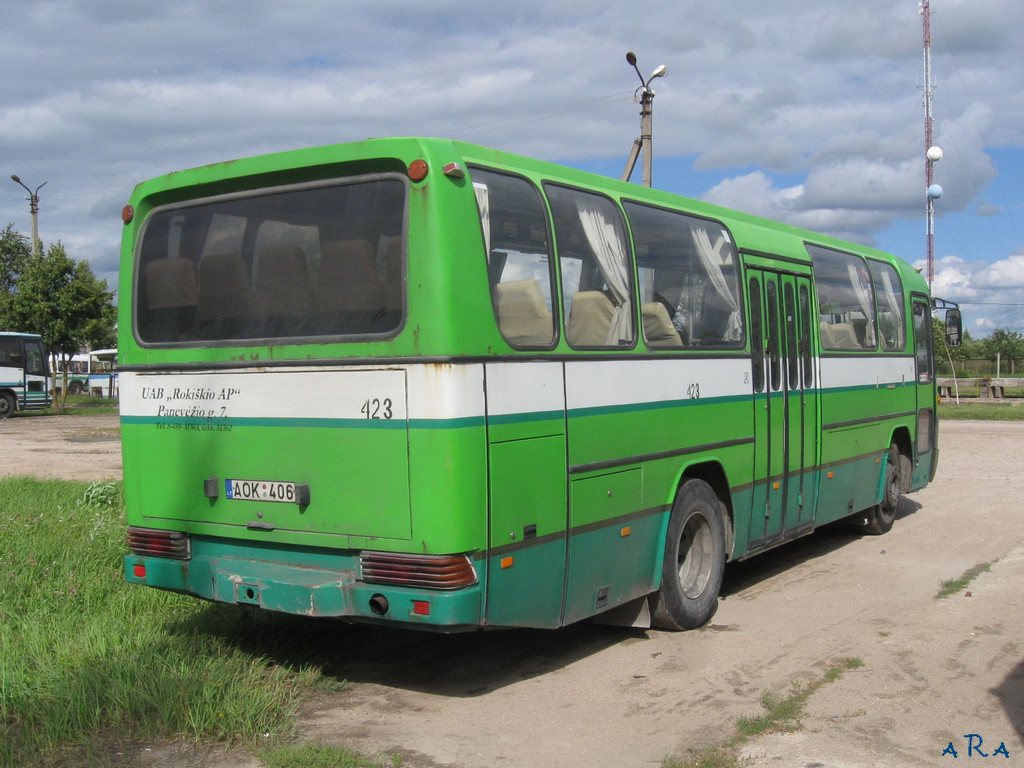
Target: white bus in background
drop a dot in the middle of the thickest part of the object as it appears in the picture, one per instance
(24, 374)
(103, 373)
(77, 371)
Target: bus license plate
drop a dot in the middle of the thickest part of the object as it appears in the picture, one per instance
(261, 490)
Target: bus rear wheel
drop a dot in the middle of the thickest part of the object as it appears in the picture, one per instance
(691, 576)
(75, 388)
(881, 516)
(7, 405)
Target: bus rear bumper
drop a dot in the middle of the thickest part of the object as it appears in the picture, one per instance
(308, 590)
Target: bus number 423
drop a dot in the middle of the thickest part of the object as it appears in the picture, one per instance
(377, 409)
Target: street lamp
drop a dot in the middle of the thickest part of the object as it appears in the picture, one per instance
(646, 111)
(33, 206)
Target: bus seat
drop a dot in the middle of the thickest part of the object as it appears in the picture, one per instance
(825, 332)
(348, 277)
(523, 314)
(281, 282)
(590, 319)
(844, 337)
(172, 298)
(171, 283)
(223, 287)
(658, 328)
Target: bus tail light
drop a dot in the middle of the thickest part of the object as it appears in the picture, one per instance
(422, 571)
(149, 542)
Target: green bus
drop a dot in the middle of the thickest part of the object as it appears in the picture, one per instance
(434, 385)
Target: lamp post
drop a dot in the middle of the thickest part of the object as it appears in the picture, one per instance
(33, 206)
(643, 142)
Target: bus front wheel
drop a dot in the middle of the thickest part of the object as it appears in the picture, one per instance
(881, 516)
(7, 405)
(75, 388)
(691, 576)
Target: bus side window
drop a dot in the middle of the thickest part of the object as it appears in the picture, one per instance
(10, 353)
(756, 335)
(774, 364)
(805, 337)
(923, 341)
(889, 297)
(592, 244)
(519, 264)
(688, 266)
(846, 301)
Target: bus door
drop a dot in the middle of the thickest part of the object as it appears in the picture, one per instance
(36, 390)
(526, 559)
(785, 406)
(924, 363)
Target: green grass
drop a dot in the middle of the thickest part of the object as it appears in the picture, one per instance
(952, 586)
(322, 756)
(779, 715)
(76, 405)
(87, 662)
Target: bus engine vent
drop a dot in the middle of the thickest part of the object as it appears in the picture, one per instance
(153, 543)
(425, 571)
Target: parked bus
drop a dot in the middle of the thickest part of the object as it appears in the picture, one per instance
(103, 373)
(74, 370)
(91, 373)
(24, 374)
(425, 383)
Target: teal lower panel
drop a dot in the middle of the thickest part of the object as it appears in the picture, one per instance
(524, 585)
(611, 565)
(852, 487)
(309, 583)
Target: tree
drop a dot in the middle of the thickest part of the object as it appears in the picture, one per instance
(1005, 344)
(62, 300)
(14, 252)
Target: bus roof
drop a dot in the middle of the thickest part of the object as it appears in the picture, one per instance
(295, 166)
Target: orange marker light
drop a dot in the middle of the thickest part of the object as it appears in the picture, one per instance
(506, 562)
(625, 531)
(127, 214)
(418, 170)
(831, 475)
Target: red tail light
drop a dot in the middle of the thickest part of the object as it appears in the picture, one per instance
(153, 543)
(423, 571)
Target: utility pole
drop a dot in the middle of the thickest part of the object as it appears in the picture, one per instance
(33, 207)
(646, 120)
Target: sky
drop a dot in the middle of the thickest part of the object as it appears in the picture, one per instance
(805, 112)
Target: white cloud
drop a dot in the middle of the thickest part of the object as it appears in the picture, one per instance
(808, 112)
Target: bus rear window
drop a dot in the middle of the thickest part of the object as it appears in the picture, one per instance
(294, 263)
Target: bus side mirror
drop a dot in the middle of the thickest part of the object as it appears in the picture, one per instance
(954, 328)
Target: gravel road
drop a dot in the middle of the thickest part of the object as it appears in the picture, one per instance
(935, 672)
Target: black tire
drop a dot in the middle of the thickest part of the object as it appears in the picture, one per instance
(881, 516)
(7, 404)
(691, 576)
(75, 388)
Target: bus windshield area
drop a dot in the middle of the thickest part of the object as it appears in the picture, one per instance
(285, 263)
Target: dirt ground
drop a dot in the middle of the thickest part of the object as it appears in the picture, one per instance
(63, 447)
(935, 672)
